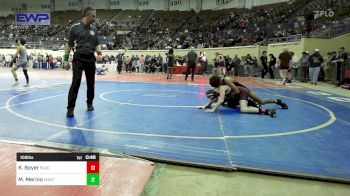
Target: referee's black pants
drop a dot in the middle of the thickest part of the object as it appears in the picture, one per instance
(264, 71)
(191, 66)
(120, 66)
(78, 67)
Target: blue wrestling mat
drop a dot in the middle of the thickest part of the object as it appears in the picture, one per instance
(161, 121)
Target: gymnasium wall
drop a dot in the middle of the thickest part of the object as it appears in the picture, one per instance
(210, 52)
(39, 6)
(67, 5)
(8, 7)
(262, 49)
(310, 44)
(263, 2)
(232, 51)
(97, 4)
(35, 51)
(306, 44)
(276, 49)
(327, 45)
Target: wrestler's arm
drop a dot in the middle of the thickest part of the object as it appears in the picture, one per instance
(206, 105)
(229, 82)
(220, 101)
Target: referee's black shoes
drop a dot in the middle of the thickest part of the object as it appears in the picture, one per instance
(70, 113)
(90, 107)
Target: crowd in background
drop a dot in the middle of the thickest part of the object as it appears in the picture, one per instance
(206, 29)
(331, 68)
(209, 28)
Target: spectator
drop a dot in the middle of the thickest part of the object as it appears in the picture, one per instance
(330, 66)
(272, 64)
(229, 66)
(343, 58)
(264, 67)
(203, 61)
(248, 68)
(315, 62)
(159, 64)
(304, 64)
(142, 63)
(294, 67)
(170, 57)
(120, 60)
(236, 64)
(127, 63)
(284, 62)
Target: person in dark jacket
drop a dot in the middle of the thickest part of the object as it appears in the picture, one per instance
(272, 64)
(315, 62)
(192, 58)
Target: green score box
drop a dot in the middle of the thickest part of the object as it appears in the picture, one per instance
(93, 179)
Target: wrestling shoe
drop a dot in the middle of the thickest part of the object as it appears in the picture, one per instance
(280, 103)
(271, 112)
(15, 84)
(284, 81)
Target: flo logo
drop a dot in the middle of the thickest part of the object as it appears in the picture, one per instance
(328, 13)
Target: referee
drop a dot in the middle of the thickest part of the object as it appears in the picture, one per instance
(84, 41)
(191, 63)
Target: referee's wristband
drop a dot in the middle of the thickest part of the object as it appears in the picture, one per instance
(66, 57)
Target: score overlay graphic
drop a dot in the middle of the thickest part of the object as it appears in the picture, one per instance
(57, 169)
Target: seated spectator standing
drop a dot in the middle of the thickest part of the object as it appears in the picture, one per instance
(304, 64)
(170, 58)
(272, 64)
(293, 72)
(120, 59)
(343, 58)
(203, 61)
(315, 62)
(264, 68)
(236, 64)
(248, 68)
(229, 66)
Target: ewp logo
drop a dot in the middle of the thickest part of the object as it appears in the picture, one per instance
(33, 19)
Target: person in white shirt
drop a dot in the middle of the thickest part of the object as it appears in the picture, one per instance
(7, 60)
(293, 74)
